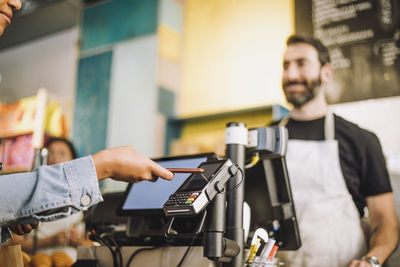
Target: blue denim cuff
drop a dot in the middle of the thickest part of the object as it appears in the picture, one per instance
(84, 185)
(61, 190)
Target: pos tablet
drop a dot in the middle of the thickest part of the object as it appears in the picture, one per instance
(148, 198)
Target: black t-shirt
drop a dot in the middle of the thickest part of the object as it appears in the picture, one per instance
(361, 158)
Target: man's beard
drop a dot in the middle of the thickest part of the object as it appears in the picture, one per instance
(312, 88)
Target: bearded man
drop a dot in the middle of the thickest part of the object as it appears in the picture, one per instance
(337, 171)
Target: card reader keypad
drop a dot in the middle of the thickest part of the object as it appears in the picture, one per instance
(182, 199)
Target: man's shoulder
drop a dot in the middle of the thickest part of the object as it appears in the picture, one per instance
(348, 128)
(340, 121)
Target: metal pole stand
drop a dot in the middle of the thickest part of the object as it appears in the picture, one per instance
(236, 141)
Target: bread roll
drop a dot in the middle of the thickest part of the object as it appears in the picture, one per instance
(41, 260)
(61, 259)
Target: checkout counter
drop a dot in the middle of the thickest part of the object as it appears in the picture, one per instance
(160, 257)
(203, 211)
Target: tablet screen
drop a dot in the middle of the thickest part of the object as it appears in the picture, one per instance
(148, 197)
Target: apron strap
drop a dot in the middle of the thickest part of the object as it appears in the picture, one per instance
(329, 126)
(284, 121)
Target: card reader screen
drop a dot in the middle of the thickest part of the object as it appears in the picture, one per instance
(198, 181)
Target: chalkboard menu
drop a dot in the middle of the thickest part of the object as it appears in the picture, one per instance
(363, 38)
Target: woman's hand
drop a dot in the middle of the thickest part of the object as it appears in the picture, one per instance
(22, 229)
(125, 164)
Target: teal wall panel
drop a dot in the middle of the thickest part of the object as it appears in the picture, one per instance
(118, 20)
(91, 104)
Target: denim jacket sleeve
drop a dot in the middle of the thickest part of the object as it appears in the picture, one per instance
(48, 193)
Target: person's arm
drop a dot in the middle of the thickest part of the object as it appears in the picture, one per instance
(384, 229)
(49, 192)
(125, 164)
(375, 184)
(53, 192)
(384, 226)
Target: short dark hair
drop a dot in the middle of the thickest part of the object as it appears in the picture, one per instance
(66, 141)
(323, 54)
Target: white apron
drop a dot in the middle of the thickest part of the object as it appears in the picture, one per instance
(329, 222)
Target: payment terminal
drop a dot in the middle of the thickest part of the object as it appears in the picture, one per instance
(200, 188)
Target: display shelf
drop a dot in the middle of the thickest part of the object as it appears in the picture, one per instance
(22, 131)
(10, 134)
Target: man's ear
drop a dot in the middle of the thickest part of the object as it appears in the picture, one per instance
(326, 72)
